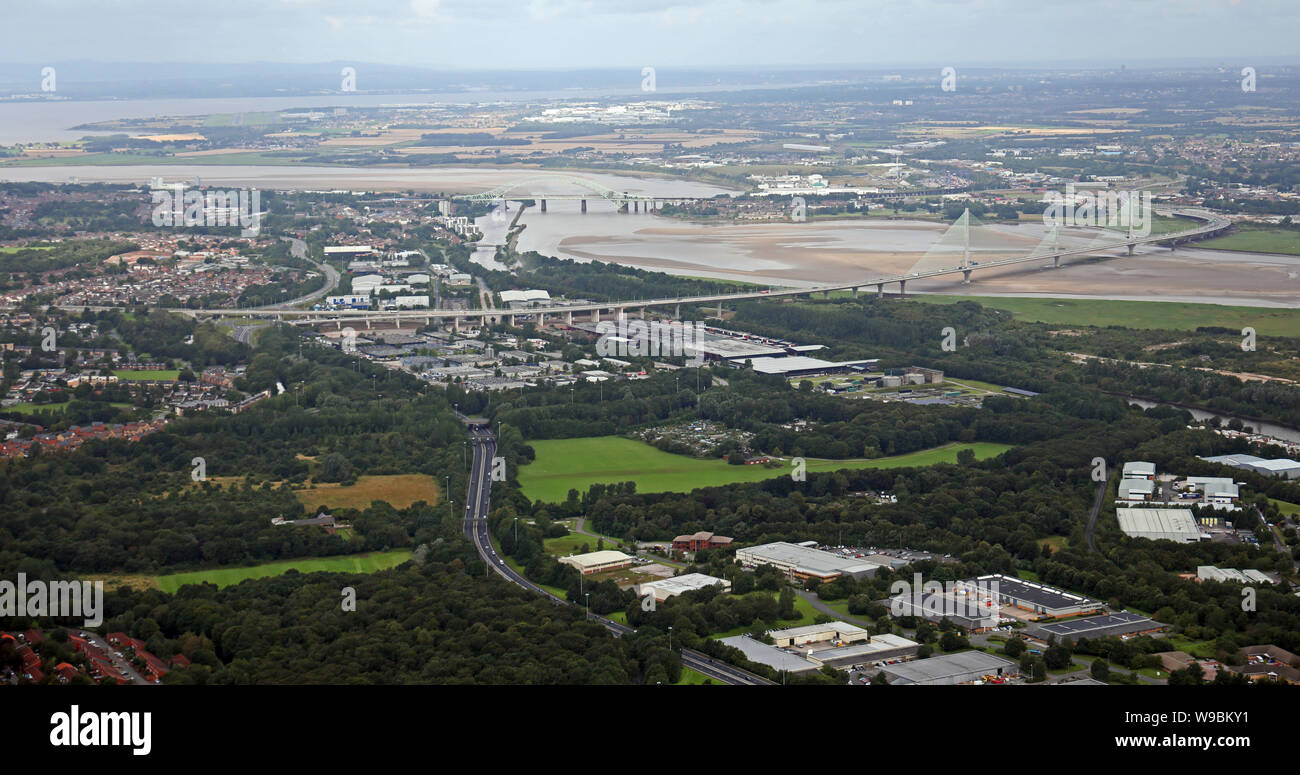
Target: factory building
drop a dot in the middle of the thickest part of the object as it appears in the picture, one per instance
(595, 562)
(805, 562)
(1160, 524)
(965, 667)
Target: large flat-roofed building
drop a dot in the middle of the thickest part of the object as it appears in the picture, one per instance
(1159, 524)
(1116, 624)
(834, 633)
(1281, 467)
(960, 610)
(1231, 575)
(595, 562)
(773, 657)
(805, 562)
(1031, 596)
(663, 589)
(802, 365)
(877, 648)
(963, 667)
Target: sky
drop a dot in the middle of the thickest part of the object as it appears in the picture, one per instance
(525, 34)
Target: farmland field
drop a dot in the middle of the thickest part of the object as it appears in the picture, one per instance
(351, 563)
(1170, 315)
(1251, 239)
(564, 464)
(398, 490)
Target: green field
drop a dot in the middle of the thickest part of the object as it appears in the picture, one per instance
(1170, 315)
(1252, 239)
(564, 464)
(162, 375)
(57, 408)
(351, 563)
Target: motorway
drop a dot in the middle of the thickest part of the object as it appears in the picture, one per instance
(478, 503)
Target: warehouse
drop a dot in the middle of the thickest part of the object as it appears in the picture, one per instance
(595, 562)
(1136, 489)
(1159, 524)
(805, 562)
(803, 366)
(1139, 470)
(959, 610)
(1030, 596)
(876, 648)
(773, 657)
(663, 589)
(961, 668)
(1231, 575)
(1282, 467)
(834, 633)
(1106, 625)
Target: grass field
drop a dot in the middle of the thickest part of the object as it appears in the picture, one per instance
(398, 490)
(162, 375)
(352, 563)
(1286, 507)
(1252, 239)
(30, 409)
(1172, 315)
(564, 464)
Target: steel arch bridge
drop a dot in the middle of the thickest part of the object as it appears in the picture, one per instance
(594, 189)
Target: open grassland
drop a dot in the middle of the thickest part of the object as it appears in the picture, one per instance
(1251, 239)
(1170, 315)
(161, 375)
(398, 490)
(564, 464)
(351, 563)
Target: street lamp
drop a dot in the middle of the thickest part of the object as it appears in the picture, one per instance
(588, 596)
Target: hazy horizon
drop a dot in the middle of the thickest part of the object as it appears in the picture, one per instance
(495, 35)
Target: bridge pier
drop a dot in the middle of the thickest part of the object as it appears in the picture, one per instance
(584, 207)
(855, 291)
(338, 325)
(541, 319)
(965, 277)
(622, 209)
(1056, 262)
(826, 294)
(677, 312)
(719, 310)
(568, 318)
(880, 290)
(636, 207)
(902, 287)
(1130, 249)
(368, 324)
(543, 205)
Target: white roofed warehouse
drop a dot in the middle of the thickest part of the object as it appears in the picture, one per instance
(805, 562)
(1159, 524)
(595, 562)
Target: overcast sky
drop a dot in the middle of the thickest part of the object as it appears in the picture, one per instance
(510, 34)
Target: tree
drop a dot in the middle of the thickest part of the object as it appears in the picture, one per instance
(786, 604)
(1100, 669)
(335, 468)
